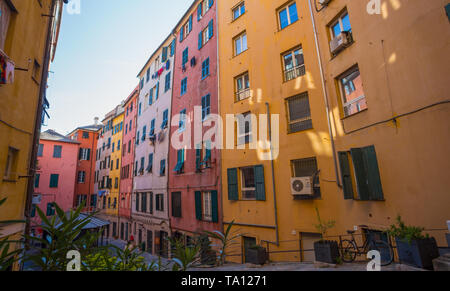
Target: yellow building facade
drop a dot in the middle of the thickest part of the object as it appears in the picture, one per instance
(24, 54)
(364, 129)
(116, 165)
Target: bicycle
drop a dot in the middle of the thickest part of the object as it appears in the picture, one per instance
(350, 249)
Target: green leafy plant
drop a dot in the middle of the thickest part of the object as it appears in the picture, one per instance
(184, 256)
(226, 239)
(64, 233)
(7, 256)
(404, 232)
(323, 226)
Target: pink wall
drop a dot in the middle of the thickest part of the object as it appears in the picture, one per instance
(66, 167)
(189, 182)
(129, 134)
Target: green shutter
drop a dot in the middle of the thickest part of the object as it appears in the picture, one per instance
(360, 173)
(346, 175)
(200, 40)
(198, 159)
(233, 191)
(190, 23)
(199, 12)
(198, 205)
(215, 206)
(211, 29)
(211, 2)
(54, 181)
(181, 34)
(373, 173)
(33, 210)
(36, 180)
(164, 54)
(260, 184)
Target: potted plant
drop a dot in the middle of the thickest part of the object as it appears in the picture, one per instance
(256, 255)
(325, 251)
(413, 247)
(207, 255)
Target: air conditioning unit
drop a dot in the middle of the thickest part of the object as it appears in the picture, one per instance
(302, 186)
(340, 42)
(324, 2)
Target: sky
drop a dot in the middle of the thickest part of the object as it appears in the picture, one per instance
(99, 54)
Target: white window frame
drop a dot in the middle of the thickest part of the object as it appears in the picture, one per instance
(237, 8)
(244, 189)
(244, 134)
(207, 206)
(186, 30)
(205, 36)
(297, 68)
(338, 20)
(285, 7)
(240, 39)
(344, 95)
(84, 155)
(244, 91)
(81, 177)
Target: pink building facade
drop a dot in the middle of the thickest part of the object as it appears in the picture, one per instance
(126, 174)
(56, 176)
(194, 170)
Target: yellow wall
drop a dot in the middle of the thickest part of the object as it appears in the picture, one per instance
(25, 41)
(412, 157)
(115, 172)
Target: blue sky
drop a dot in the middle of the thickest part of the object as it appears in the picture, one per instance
(99, 54)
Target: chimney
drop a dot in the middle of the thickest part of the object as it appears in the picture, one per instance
(96, 120)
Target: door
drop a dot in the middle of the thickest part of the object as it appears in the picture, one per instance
(122, 230)
(307, 241)
(140, 238)
(164, 243)
(248, 243)
(149, 242)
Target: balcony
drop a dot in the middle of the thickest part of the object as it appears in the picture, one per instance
(294, 73)
(243, 94)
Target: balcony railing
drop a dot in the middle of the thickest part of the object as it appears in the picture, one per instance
(294, 73)
(243, 94)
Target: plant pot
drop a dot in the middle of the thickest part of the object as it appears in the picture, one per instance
(419, 253)
(208, 257)
(256, 256)
(326, 251)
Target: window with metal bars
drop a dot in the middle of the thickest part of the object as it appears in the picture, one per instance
(299, 113)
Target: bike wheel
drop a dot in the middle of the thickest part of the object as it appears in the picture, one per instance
(386, 252)
(348, 251)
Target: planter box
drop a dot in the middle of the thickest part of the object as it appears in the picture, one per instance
(326, 251)
(420, 253)
(256, 256)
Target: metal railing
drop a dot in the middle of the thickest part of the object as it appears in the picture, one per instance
(243, 94)
(294, 73)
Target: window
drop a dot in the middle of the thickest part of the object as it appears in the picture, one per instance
(183, 86)
(113, 147)
(41, 150)
(152, 127)
(245, 128)
(248, 186)
(37, 179)
(342, 24)
(187, 29)
(165, 119)
(299, 113)
(117, 164)
(159, 202)
(176, 204)
(238, 10)
(51, 209)
(207, 154)
(85, 154)
(141, 169)
(167, 83)
(94, 200)
(185, 56)
(352, 92)
(207, 209)
(206, 206)
(206, 106)
(205, 68)
(144, 133)
(206, 34)
(54, 178)
(147, 75)
(150, 163)
(57, 150)
(294, 64)
(81, 177)
(361, 170)
(182, 122)
(118, 145)
(180, 161)
(242, 84)
(5, 18)
(85, 135)
(288, 15)
(140, 109)
(251, 182)
(307, 168)
(162, 169)
(144, 202)
(203, 7)
(240, 44)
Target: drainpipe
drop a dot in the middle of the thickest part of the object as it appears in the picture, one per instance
(37, 122)
(275, 209)
(325, 95)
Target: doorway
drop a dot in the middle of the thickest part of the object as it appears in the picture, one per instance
(248, 243)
